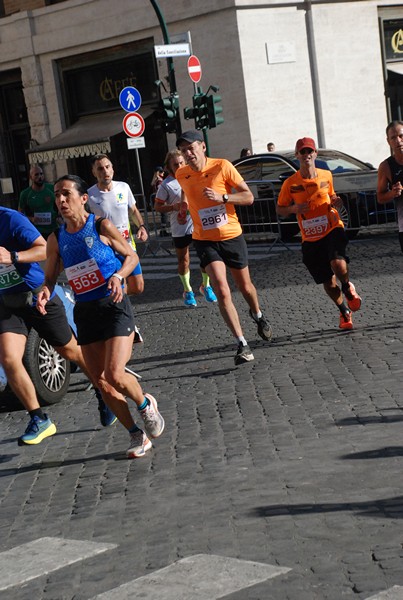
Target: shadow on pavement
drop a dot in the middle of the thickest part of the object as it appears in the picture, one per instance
(387, 452)
(9, 402)
(370, 419)
(384, 507)
(57, 464)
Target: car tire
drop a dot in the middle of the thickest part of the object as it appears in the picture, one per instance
(49, 372)
(350, 216)
(289, 231)
(352, 233)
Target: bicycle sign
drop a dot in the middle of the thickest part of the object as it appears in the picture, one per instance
(133, 124)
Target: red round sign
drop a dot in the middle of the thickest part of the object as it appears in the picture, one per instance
(194, 68)
(133, 124)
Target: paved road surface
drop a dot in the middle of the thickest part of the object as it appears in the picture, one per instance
(277, 480)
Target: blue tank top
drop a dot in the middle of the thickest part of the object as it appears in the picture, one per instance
(88, 262)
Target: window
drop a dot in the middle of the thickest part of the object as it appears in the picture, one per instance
(248, 169)
(275, 169)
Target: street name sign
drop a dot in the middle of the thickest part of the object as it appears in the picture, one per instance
(171, 50)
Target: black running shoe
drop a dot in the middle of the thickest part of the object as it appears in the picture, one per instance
(243, 354)
(263, 327)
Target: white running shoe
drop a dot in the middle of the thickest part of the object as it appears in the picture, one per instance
(154, 423)
(139, 444)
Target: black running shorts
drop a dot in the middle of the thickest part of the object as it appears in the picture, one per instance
(316, 256)
(100, 320)
(53, 327)
(233, 253)
(182, 242)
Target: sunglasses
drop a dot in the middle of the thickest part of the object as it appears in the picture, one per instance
(306, 151)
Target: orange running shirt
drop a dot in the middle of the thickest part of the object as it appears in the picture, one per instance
(321, 217)
(211, 221)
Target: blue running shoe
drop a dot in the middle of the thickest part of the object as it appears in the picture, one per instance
(37, 430)
(106, 416)
(189, 299)
(208, 292)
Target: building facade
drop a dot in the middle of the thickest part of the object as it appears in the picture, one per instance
(285, 69)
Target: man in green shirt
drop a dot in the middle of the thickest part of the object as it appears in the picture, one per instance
(37, 202)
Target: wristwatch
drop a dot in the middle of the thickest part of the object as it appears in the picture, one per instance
(118, 276)
(14, 257)
(225, 198)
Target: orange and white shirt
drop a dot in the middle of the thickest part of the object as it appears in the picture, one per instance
(321, 218)
(211, 221)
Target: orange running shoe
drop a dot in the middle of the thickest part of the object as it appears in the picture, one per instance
(346, 321)
(353, 299)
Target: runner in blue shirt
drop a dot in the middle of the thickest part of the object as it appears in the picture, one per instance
(21, 247)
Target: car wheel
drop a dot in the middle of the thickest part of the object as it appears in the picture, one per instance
(289, 231)
(348, 213)
(352, 233)
(50, 372)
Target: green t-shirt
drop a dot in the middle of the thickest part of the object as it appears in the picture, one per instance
(41, 206)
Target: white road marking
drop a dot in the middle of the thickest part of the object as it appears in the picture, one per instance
(42, 556)
(393, 593)
(199, 577)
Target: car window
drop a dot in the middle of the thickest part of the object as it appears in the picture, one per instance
(341, 166)
(275, 169)
(338, 163)
(249, 170)
(320, 164)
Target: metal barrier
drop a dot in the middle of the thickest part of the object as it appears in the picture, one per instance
(260, 221)
(159, 239)
(364, 211)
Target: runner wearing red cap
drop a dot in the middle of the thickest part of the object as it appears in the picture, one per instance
(309, 194)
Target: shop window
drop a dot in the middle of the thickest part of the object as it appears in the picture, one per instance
(14, 105)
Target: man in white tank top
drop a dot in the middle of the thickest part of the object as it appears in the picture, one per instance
(114, 200)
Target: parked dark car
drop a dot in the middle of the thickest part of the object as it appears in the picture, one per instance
(354, 181)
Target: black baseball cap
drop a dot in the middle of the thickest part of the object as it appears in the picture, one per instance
(190, 136)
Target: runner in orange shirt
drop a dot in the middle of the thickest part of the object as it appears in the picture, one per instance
(207, 191)
(310, 195)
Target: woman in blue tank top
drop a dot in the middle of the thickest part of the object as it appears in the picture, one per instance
(86, 247)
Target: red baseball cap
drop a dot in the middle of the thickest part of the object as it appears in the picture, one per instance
(305, 143)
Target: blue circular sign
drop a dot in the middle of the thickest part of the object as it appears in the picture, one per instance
(130, 99)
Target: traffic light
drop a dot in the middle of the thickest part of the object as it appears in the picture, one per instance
(213, 110)
(205, 110)
(169, 110)
(198, 112)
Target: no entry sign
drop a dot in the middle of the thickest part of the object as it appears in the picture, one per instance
(194, 68)
(133, 124)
